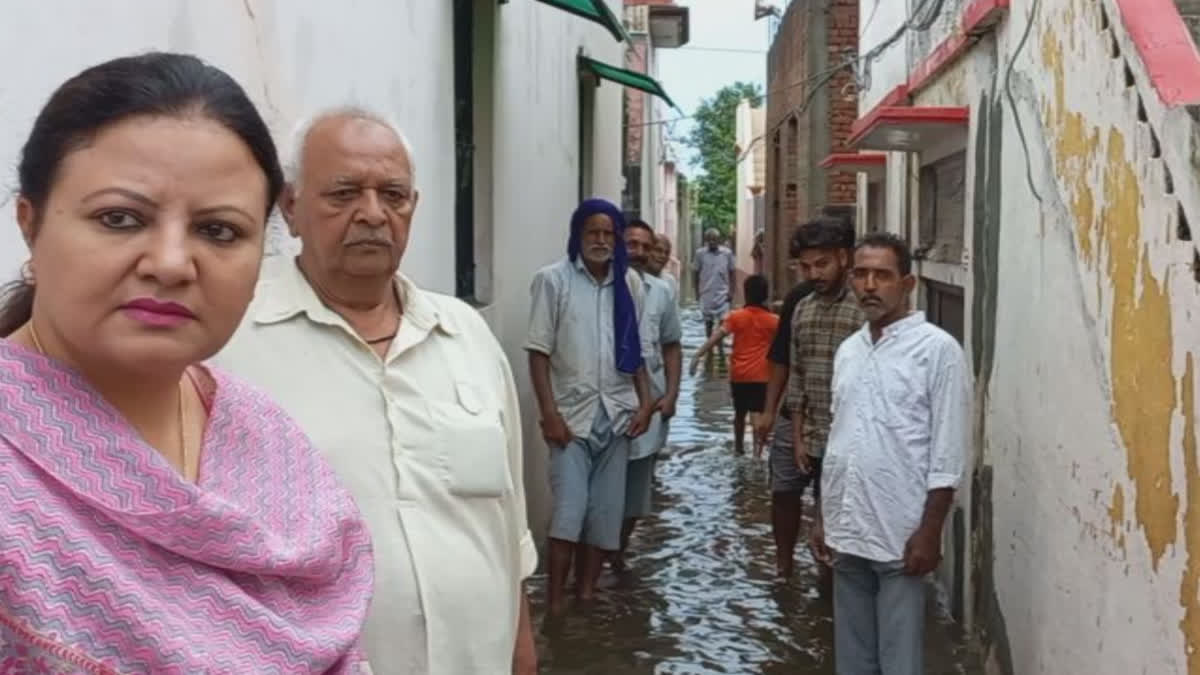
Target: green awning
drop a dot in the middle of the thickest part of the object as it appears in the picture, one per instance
(624, 77)
(593, 10)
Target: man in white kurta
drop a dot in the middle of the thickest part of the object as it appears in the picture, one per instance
(412, 401)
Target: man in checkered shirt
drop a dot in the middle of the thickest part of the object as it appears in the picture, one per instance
(820, 322)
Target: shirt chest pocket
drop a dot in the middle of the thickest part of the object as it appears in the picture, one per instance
(472, 447)
(904, 401)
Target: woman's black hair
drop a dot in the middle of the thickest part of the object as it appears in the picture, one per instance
(154, 84)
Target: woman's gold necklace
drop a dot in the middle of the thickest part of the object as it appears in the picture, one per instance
(183, 444)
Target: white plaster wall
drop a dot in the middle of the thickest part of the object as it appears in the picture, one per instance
(299, 55)
(743, 234)
(291, 57)
(536, 151)
(1086, 413)
(879, 19)
(1088, 419)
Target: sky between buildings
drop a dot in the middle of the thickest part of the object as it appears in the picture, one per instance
(726, 45)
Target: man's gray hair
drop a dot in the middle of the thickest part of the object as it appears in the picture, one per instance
(294, 157)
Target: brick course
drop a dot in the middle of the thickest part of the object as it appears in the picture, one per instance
(792, 162)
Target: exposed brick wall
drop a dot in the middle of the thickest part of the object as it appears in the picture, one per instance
(843, 95)
(787, 65)
(792, 161)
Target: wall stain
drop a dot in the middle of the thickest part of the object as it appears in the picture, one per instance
(1116, 514)
(1189, 586)
(1143, 383)
(1108, 231)
(1077, 144)
(992, 629)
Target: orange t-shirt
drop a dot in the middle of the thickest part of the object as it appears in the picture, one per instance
(752, 329)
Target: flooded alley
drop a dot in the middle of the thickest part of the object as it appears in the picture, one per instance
(701, 596)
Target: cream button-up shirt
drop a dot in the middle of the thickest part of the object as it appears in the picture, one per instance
(428, 440)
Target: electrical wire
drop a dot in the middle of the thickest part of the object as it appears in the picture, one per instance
(1012, 100)
(931, 9)
(736, 50)
(923, 17)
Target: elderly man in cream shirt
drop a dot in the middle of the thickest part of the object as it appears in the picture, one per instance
(410, 397)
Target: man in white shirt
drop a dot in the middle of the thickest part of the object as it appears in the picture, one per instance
(585, 362)
(660, 333)
(895, 455)
(409, 396)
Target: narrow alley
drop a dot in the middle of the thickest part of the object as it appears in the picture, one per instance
(701, 596)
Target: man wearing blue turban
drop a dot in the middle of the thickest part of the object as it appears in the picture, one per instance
(585, 360)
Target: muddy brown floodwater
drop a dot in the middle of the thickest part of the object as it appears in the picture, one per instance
(701, 596)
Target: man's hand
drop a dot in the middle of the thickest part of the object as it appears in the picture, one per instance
(923, 552)
(525, 660)
(666, 407)
(641, 421)
(763, 427)
(555, 431)
(800, 452)
(816, 544)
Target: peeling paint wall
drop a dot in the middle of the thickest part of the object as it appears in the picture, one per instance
(299, 55)
(1084, 310)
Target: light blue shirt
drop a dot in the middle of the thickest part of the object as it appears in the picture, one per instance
(716, 270)
(571, 321)
(658, 326)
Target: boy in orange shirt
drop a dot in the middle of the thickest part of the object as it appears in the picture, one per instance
(753, 328)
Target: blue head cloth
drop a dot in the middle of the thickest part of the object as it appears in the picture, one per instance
(625, 329)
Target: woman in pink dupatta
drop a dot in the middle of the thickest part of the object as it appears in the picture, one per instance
(157, 516)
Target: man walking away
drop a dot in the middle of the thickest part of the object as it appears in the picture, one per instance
(752, 328)
(663, 356)
(713, 274)
(895, 457)
(585, 361)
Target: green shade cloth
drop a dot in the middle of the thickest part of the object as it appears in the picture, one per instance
(593, 10)
(628, 78)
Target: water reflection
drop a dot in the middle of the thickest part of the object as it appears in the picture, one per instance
(701, 597)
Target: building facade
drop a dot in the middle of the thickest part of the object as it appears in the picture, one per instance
(751, 176)
(501, 111)
(1042, 164)
(649, 166)
(811, 104)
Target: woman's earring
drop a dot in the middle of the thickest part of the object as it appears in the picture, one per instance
(27, 273)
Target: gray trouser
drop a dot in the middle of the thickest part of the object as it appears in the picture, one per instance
(878, 618)
(587, 479)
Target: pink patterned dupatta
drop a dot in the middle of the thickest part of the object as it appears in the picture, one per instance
(111, 563)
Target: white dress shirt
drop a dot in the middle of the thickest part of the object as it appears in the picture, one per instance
(428, 440)
(571, 321)
(900, 422)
